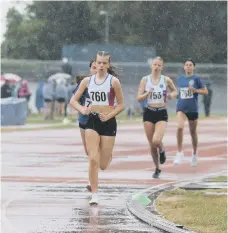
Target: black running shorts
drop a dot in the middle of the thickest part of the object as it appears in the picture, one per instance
(155, 115)
(81, 126)
(103, 128)
(192, 116)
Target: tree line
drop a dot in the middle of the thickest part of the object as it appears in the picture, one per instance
(176, 29)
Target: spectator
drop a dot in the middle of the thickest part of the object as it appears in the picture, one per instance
(61, 97)
(66, 67)
(49, 98)
(207, 99)
(6, 90)
(23, 91)
(14, 88)
(39, 96)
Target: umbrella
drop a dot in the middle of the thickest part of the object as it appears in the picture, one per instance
(59, 76)
(11, 77)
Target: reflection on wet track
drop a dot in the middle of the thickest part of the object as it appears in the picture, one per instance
(64, 208)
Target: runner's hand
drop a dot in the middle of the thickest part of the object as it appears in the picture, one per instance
(192, 89)
(85, 110)
(150, 91)
(103, 117)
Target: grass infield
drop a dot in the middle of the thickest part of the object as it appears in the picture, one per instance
(195, 210)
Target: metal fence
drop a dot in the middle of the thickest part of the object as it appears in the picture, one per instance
(130, 75)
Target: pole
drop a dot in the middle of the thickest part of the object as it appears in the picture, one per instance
(106, 28)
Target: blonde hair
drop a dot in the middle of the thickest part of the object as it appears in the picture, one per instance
(159, 58)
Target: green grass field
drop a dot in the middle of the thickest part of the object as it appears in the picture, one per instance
(194, 210)
(219, 179)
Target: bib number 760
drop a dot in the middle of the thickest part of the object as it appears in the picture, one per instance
(98, 96)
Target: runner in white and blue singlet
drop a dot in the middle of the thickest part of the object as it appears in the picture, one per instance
(153, 89)
(189, 86)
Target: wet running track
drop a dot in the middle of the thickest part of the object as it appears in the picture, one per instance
(44, 174)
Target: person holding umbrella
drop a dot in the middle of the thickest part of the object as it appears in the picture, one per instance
(6, 90)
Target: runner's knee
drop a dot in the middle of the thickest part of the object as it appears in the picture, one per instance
(94, 160)
(180, 126)
(103, 166)
(156, 143)
(192, 131)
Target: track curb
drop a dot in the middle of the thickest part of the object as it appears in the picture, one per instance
(152, 218)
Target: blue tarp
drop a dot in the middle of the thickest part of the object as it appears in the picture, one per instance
(119, 52)
(13, 111)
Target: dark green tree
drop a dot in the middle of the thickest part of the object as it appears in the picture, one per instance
(176, 29)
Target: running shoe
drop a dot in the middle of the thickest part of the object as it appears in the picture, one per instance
(88, 187)
(162, 156)
(156, 173)
(194, 160)
(178, 159)
(94, 200)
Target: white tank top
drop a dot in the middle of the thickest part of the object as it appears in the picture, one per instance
(101, 94)
(158, 96)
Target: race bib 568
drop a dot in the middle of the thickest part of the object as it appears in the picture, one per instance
(185, 93)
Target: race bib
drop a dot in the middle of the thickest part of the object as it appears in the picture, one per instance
(185, 93)
(156, 95)
(99, 98)
(87, 102)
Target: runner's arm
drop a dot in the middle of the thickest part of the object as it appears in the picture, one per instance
(74, 102)
(201, 89)
(172, 88)
(142, 95)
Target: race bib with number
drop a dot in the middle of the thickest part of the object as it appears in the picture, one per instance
(99, 97)
(87, 102)
(155, 95)
(185, 93)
